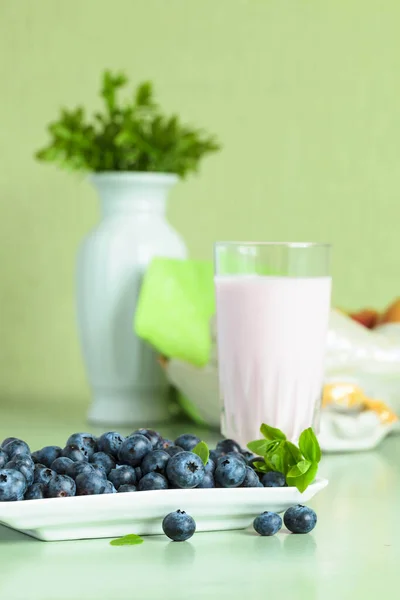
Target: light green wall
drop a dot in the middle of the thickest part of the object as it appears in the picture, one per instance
(303, 94)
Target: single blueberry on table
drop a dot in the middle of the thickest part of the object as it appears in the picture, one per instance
(88, 484)
(12, 485)
(3, 459)
(156, 461)
(179, 526)
(187, 441)
(251, 479)
(126, 488)
(61, 486)
(273, 479)
(300, 519)
(151, 435)
(84, 440)
(35, 492)
(76, 468)
(152, 481)
(110, 443)
(24, 465)
(16, 447)
(268, 523)
(225, 446)
(207, 482)
(230, 472)
(185, 470)
(103, 459)
(134, 449)
(122, 475)
(61, 465)
(42, 474)
(47, 455)
(75, 453)
(172, 450)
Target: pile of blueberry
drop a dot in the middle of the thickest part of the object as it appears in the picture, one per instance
(113, 463)
(179, 526)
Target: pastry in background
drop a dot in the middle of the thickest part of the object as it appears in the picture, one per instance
(350, 397)
(367, 317)
(370, 318)
(391, 314)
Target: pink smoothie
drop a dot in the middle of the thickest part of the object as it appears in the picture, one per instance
(272, 334)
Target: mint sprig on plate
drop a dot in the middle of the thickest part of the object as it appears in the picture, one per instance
(298, 464)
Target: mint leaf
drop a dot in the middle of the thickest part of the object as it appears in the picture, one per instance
(261, 466)
(259, 447)
(299, 469)
(309, 446)
(282, 456)
(127, 540)
(277, 457)
(201, 449)
(303, 481)
(293, 453)
(271, 433)
(270, 466)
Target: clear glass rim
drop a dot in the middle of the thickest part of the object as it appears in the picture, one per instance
(282, 244)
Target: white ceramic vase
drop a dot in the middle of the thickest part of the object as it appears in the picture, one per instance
(128, 386)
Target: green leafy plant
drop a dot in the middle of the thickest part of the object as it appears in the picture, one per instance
(127, 540)
(131, 135)
(298, 464)
(201, 449)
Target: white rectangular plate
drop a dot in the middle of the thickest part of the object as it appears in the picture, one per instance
(114, 515)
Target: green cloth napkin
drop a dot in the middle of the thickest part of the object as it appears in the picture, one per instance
(175, 305)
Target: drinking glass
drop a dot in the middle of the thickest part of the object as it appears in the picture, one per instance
(273, 303)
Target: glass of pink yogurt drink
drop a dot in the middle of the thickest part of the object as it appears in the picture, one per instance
(273, 304)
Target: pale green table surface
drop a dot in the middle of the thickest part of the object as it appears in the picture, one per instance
(354, 552)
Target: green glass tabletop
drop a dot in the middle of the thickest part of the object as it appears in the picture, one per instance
(354, 552)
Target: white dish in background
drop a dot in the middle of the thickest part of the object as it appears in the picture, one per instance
(341, 432)
(114, 515)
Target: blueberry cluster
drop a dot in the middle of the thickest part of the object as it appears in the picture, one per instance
(113, 463)
(297, 519)
(179, 526)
